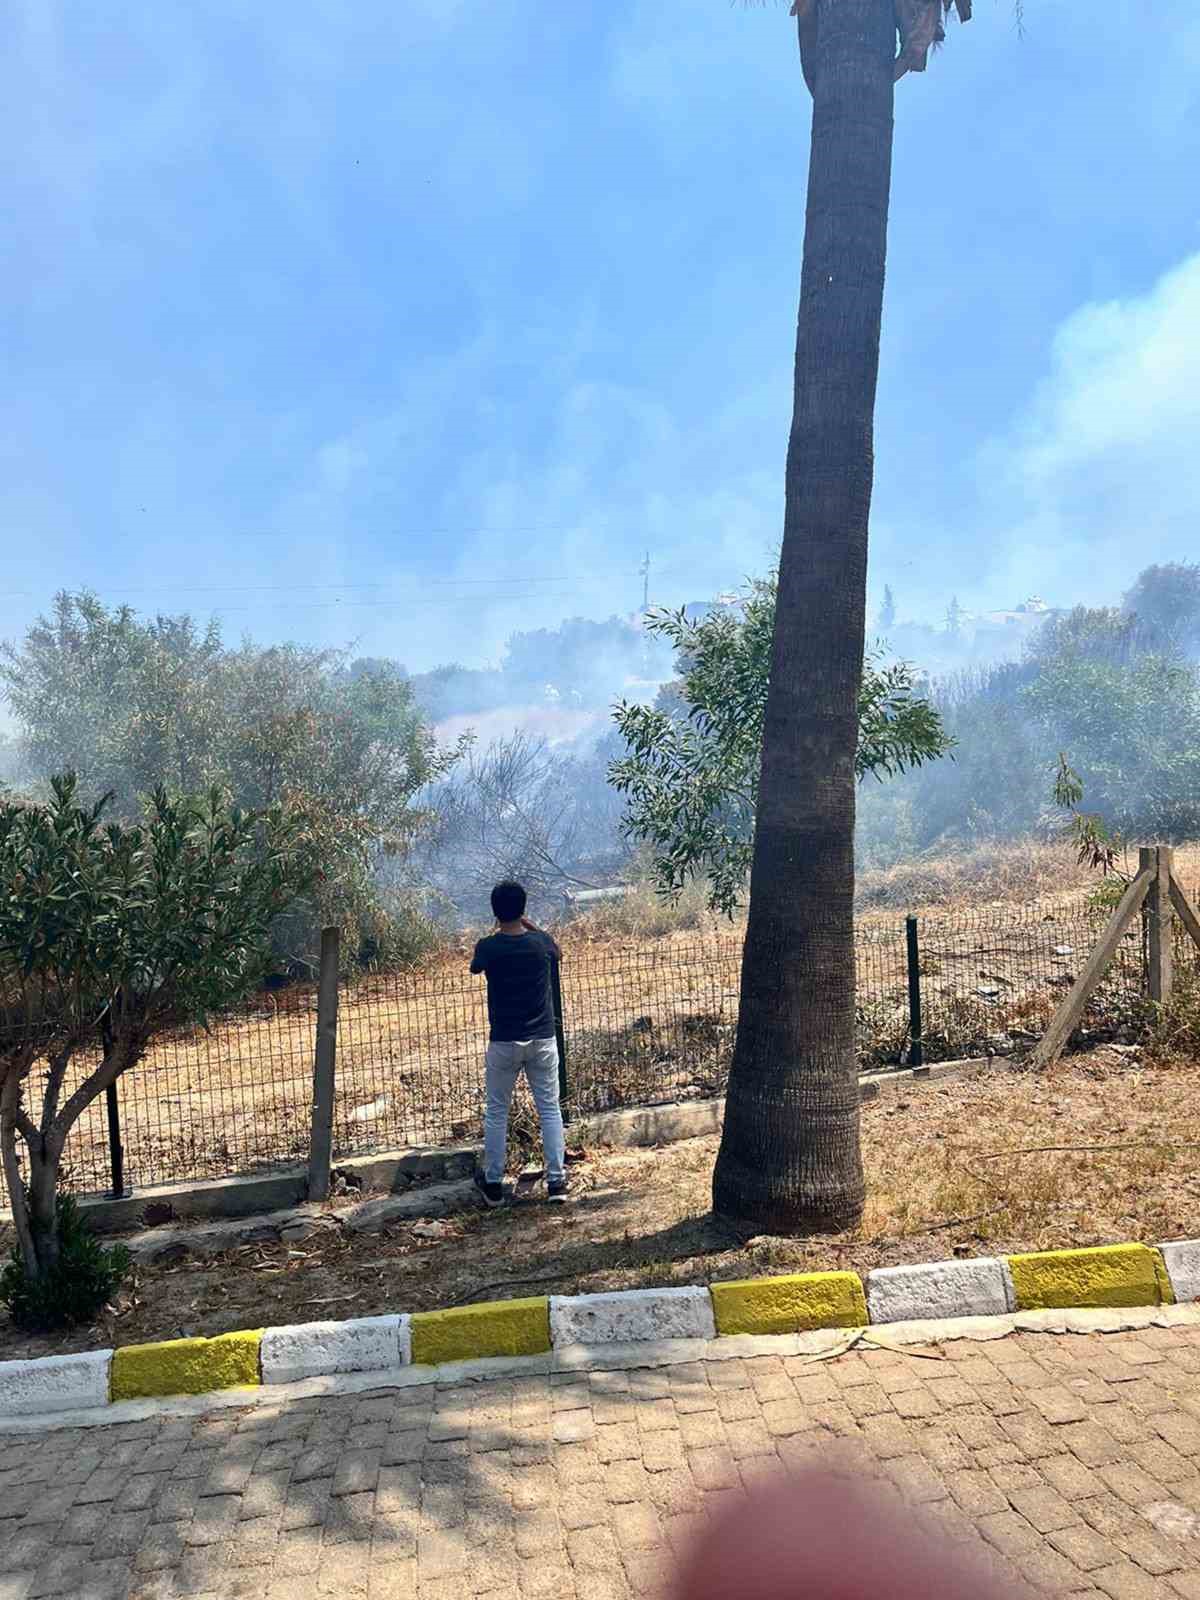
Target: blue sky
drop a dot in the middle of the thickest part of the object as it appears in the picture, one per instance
(414, 324)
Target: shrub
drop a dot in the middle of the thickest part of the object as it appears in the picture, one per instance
(644, 913)
(1173, 1029)
(79, 1284)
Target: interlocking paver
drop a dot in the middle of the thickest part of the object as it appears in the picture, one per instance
(1074, 1460)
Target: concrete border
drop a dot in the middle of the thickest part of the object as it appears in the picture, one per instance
(495, 1328)
(1106, 1275)
(186, 1366)
(55, 1383)
(790, 1304)
(320, 1349)
(981, 1286)
(614, 1358)
(629, 1316)
(1182, 1260)
(1049, 1291)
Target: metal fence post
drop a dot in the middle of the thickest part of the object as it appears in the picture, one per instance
(320, 1150)
(560, 1036)
(116, 1150)
(914, 993)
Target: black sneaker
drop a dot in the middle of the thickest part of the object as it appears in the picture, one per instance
(493, 1193)
(557, 1189)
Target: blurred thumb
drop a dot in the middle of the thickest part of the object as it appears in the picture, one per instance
(817, 1536)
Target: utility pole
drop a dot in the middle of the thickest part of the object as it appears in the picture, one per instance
(644, 569)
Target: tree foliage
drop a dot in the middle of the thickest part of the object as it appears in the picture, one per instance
(1164, 607)
(691, 772)
(110, 934)
(132, 704)
(1126, 714)
(519, 808)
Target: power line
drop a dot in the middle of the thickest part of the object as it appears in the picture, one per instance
(412, 602)
(418, 579)
(288, 588)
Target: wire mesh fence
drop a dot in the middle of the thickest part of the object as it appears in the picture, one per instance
(643, 1024)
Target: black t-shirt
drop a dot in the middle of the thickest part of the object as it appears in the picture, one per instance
(520, 1003)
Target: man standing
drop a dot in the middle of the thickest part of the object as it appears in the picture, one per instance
(516, 960)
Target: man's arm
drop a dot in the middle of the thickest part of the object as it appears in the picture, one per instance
(477, 962)
(532, 927)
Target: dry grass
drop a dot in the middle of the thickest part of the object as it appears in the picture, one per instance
(1023, 872)
(643, 914)
(949, 1171)
(651, 999)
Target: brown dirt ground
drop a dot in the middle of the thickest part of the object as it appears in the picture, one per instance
(409, 1056)
(949, 1170)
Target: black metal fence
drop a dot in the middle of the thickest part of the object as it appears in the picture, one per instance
(642, 1024)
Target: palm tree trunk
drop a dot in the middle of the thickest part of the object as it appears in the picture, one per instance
(789, 1160)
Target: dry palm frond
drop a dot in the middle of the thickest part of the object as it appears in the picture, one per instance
(805, 13)
(918, 22)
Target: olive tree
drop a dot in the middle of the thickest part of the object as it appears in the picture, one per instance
(690, 776)
(111, 933)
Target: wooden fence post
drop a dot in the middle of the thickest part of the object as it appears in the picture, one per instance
(1161, 933)
(320, 1150)
(1063, 1022)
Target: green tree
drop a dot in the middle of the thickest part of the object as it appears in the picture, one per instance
(1164, 606)
(789, 1157)
(1085, 633)
(127, 702)
(132, 703)
(691, 771)
(109, 935)
(1133, 730)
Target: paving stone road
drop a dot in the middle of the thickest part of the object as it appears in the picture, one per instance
(1076, 1460)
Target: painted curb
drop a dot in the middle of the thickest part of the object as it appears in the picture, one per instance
(1107, 1275)
(980, 1287)
(790, 1304)
(54, 1383)
(319, 1349)
(186, 1366)
(1182, 1260)
(565, 1331)
(495, 1328)
(629, 1316)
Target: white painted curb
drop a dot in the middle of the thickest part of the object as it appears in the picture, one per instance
(1182, 1257)
(981, 1287)
(629, 1316)
(318, 1349)
(54, 1383)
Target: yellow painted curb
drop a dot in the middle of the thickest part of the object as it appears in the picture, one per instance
(790, 1304)
(496, 1328)
(1108, 1275)
(1166, 1290)
(186, 1366)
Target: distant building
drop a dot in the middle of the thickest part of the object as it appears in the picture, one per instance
(697, 610)
(1030, 614)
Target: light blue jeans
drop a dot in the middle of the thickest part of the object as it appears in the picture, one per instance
(503, 1065)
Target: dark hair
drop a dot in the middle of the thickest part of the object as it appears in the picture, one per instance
(508, 901)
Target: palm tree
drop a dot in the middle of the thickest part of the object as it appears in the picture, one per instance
(789, 1160)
